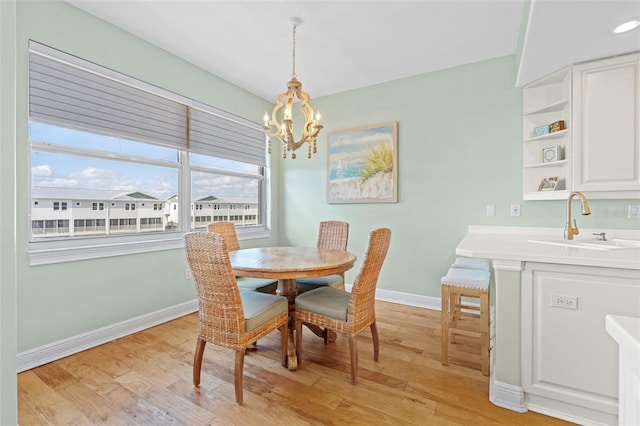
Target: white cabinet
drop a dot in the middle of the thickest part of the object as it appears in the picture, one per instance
(599, 102)
(606, 117)
(544, 102)
(569, 362)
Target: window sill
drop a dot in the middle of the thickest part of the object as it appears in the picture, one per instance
(59, 251)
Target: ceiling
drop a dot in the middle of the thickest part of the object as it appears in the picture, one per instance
(345, 45)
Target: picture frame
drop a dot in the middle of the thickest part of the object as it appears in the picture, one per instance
(362, 164)
(548, 184)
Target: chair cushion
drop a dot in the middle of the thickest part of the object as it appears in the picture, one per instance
(471, 278)
(471, 263)
(261, 307)
(326, 301)
(263, 285)
(306, 284)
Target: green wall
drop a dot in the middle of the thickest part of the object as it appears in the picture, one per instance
(459, 147)
(8, 320)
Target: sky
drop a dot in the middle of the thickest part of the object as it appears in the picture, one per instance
(79, 166)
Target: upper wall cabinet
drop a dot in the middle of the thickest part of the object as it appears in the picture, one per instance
(581, 131)
(606, 111)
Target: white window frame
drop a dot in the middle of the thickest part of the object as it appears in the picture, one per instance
(82, 248)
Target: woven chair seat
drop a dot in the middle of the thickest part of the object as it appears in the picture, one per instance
(306, 284)
(260, 308)
(325, 301)
(262, 285)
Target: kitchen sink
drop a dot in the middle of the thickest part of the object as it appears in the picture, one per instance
(613, 244)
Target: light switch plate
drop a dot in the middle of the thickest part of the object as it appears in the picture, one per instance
(491, 210)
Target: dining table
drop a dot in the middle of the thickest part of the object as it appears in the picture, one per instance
(286, 264)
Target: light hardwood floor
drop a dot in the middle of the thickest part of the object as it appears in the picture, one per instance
(145, 379)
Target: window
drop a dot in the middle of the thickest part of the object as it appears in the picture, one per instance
(99, 138)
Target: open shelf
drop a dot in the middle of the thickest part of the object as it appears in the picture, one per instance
(546, 195)
(554, 135)
(556, 106)
(549, 164)
(547, 101)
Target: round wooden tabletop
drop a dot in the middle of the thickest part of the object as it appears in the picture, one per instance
(290, 262)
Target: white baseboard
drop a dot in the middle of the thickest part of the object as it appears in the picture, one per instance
(408, 299)
(507, 396)
(74, 344)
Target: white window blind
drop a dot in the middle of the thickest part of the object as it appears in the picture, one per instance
(68, 91)
(70, 96)
(226, 136)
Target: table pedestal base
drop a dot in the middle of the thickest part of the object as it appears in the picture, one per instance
(287, 288)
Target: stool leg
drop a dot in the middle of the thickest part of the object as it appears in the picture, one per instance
(484, 332)
(444, 350)
(455, 301)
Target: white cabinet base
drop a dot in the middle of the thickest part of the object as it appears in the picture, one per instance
(569, 362)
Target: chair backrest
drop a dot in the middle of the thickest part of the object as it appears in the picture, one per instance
(333, 234)
(228, 231)
(361, 311)
(221, 317)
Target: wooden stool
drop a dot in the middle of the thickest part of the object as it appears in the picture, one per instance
(459, 283)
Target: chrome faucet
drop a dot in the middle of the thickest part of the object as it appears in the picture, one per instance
(572, 229)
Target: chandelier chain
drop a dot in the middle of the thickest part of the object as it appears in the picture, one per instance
(294, 51)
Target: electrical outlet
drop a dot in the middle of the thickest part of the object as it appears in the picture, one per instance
(515, 209)
(188, 274)
(567, 302)
(634, 211)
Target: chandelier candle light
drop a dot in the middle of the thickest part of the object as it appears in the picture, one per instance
(281, 124)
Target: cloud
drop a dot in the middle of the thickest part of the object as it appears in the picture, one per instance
(41, 171)
(95, 173)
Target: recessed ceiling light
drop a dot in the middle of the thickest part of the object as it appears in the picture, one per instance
(627, 26)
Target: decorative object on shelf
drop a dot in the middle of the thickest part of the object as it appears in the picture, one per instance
(280, 126)
(548, 184)
(556, 126)
(551, 154)
(362, 164)
(540, 130)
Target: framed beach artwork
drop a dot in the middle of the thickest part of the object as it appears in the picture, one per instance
(362, 164)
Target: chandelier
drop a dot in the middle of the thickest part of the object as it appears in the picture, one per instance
(280, 126)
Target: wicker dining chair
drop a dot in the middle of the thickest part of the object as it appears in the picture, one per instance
(228, 231)
(227, 317)
(348, 313)
(332, 234)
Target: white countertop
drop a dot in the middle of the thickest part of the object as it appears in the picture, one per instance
(513, 243)
(625, 331)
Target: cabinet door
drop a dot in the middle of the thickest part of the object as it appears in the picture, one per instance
(606, 117)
